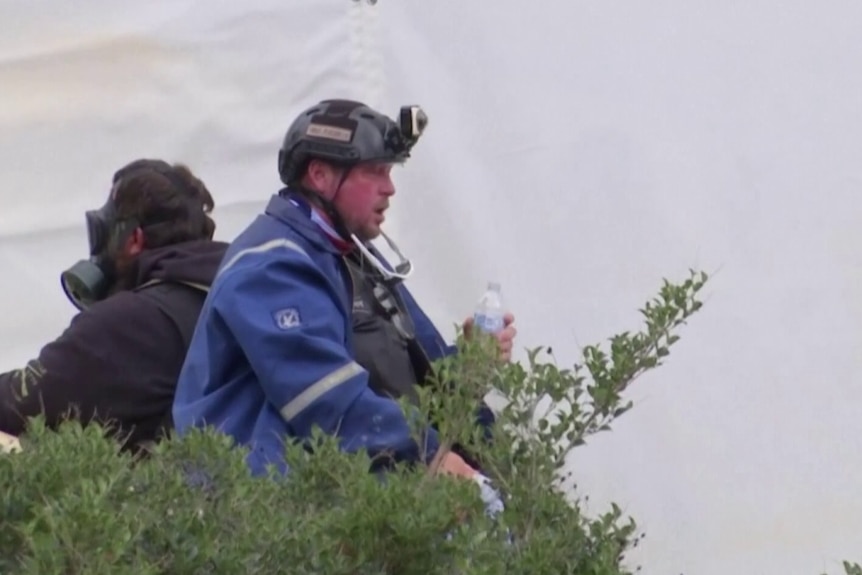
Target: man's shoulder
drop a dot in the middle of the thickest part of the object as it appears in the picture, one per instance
(268, 240)
(118, 308)
(110, 320)
(271, 256)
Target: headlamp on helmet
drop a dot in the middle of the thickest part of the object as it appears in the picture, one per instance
(412, 121)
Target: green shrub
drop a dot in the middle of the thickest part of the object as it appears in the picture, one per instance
(851, 568)
(73, 504)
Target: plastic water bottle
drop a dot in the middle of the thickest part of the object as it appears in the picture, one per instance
(488, 315)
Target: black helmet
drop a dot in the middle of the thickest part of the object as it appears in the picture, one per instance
(346, 133)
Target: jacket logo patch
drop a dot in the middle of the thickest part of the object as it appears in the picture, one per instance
(287, 318)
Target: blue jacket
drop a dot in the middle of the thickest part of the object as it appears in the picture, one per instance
(272, 354)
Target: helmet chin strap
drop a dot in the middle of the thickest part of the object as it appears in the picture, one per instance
(328, 207)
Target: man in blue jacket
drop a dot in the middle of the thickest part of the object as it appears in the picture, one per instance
(305, 324)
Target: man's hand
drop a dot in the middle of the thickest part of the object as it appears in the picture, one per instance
(505, 339)
(9, 443)
(451, 463)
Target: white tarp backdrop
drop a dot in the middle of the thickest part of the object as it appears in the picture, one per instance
(577, 152)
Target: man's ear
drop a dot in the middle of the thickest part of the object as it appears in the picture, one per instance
(319, 176)
(135, 243)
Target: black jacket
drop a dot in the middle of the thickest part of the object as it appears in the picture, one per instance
(118, 361)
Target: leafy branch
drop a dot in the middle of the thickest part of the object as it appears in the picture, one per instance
(851, 568)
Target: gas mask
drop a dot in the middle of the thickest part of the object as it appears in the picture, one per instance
(90, 280)
(403, 268)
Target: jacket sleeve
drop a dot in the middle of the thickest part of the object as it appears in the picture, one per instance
(83, 373)
(285, 315)
(18, 399)
(51, 384)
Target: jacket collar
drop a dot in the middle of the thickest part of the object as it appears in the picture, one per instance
(343, 246)
(298, 219)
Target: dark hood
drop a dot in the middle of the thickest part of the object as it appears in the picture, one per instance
(194, 261)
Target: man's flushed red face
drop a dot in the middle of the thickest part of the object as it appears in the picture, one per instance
(361, 198)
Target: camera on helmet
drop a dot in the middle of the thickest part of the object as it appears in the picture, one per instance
(412, 121)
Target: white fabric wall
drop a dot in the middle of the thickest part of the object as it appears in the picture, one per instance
(577, 152)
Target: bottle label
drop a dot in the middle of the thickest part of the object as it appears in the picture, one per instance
(488, 323)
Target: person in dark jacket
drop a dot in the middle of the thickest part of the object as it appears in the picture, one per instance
(152, 259)
(313, 327)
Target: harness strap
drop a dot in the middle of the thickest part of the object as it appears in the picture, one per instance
(182, 307)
